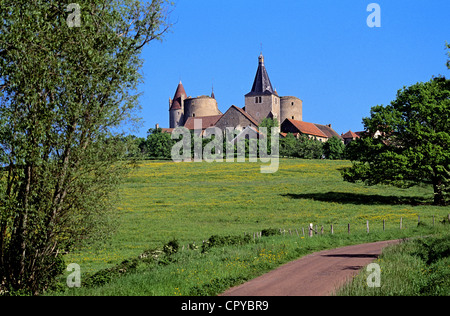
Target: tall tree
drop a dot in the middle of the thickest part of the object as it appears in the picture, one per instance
(334, 148)
(68, 78)
(412, 143)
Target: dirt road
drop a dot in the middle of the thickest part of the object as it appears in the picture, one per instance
(318, 274)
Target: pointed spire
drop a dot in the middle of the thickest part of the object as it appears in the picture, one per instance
(212, 92)
(262, 84)
(179, 95)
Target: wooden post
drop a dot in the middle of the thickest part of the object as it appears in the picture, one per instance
(310, 230)
(332, 231)
(418, 219)
(401, 222)
(384, 225)
(349, 228)
(303, 231)
(367, 226)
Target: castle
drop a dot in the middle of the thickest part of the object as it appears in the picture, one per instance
(260, 103)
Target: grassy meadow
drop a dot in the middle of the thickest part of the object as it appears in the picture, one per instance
(190, 202)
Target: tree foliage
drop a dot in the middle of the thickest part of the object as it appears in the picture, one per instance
(63, 90)
(158, 144)
(334, 148)
(304, 147)
(414, 142)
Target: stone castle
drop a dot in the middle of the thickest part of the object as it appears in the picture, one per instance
(260, 103)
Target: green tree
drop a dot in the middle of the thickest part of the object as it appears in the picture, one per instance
(414, 142)
(288, 145)
(334, 148)
(270, 124)
(64, 88)
(309, 148)
(158, 144)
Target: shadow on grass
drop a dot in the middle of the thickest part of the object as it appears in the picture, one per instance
(359, 199)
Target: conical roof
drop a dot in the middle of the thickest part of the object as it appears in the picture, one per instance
(176, 103)
(262, 84)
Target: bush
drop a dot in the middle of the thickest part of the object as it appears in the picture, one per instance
(269, 232)
(220, 241)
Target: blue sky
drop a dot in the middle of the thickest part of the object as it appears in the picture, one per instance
(321, 51)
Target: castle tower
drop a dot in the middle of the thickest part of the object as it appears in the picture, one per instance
(262, 102)
(291, 108)
(176, 116)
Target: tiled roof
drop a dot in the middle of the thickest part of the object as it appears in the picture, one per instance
(176, 103)
(350, 134)
(307, 128)
(261, 84)
(167, 130)
(327, 130)
(207, 121)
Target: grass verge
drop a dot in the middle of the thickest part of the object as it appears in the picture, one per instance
(220, 263)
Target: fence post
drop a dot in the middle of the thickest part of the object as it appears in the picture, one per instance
(310, 230)
(332, 231)
(349, 228)
(367, 225)
(401, 222)
(384, 225)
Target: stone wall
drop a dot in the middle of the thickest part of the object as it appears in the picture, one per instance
(291, 108)
(259, 107)
(200, 106)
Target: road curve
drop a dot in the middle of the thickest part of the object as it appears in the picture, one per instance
(318, 274)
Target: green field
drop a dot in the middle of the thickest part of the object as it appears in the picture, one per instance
(190, 202)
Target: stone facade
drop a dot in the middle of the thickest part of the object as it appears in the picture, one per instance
(200, 106)
(237, 118)
(181, 108)
(261, 107)
(291, 108)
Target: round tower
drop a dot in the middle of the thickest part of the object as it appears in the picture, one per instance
(201, 106)
(176, 116)
(291, 108)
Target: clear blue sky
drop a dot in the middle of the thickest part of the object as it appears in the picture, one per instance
(321, 51)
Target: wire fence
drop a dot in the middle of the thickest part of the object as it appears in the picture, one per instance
(312, 230)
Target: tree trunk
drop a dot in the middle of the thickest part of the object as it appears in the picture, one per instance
(438, 193)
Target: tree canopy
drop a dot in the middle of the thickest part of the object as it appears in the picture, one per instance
(68, 79)
(407, 142)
